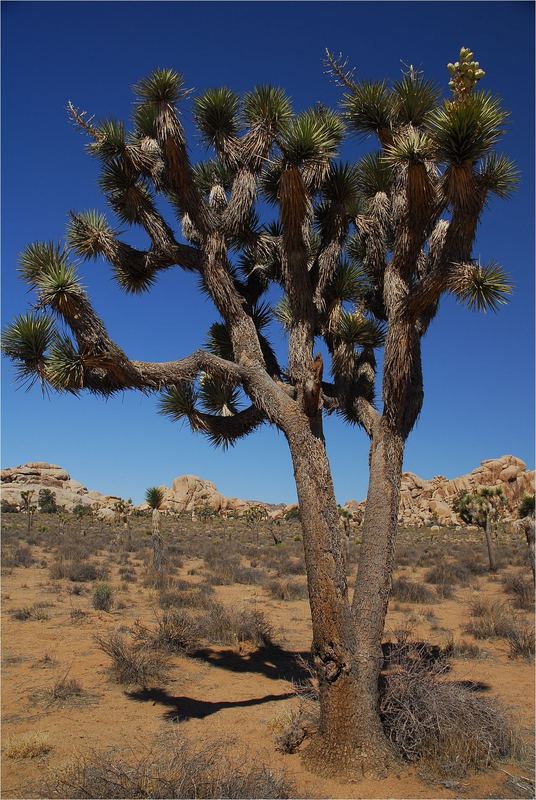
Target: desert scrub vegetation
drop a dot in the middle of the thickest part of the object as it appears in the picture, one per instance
(35, 612)
(102, 598)
(522, 590)
(171, 769)
(64, 691)
(444, 726)
(410, 592)
(132, 662)
(27, 745)
(281, 589)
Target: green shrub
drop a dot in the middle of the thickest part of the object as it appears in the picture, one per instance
(47, 501)
(102, 596)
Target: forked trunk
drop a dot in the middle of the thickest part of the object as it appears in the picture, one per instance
(335, 749)
(491, 549)
(373, 582)
(158, 566)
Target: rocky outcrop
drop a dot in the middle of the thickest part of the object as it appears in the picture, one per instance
(424, 502)
(190, 493)
(69, 493)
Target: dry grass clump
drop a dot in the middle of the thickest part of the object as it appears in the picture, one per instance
(444, 725)
(64, 691)
(221, 626)
(282, 589)
(172, 769)
(20, 556)
(177, 631)
(445, 574)
(522, 590)
(521, 641)
(132, 663)
(76, 571)
(36, 612)
(28, 745)
(292, 728)
(186, 595)
(490, 620)
(410, 592)
(463, 649)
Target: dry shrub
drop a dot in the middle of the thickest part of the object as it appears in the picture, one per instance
(187, 596)
(445, 725)
(522, 590)
(281, 589)
(290, 729)
(410, 592)
(490, 621)
(172, 769)
(36, 612)
(65, 691)
(28, 745)
(463, 649)
(220, 626)
(445, 574)
(132, 663)
(521, 641)
(177, 631)
(20, 556)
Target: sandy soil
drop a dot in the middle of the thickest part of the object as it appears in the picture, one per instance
(229, 693)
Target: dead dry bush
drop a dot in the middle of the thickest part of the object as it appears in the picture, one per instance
(445, 726)
(36, 612)
(522, 590)
(64, 691)
(521, 641)
(410, 592)
(134, 664)
(177, 631)
(281, 589)
(171, 769)
(490, 620)
(186, 596)
(446, 574)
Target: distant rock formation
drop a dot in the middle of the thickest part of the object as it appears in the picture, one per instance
(423, 502)
(69, 493)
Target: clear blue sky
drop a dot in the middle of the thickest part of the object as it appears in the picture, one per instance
(478, 368)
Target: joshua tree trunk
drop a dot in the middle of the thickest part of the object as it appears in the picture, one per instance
(157, 547)
(489, 542)
(338, 747)
(528, 527)
(29, 526)
(373, 581)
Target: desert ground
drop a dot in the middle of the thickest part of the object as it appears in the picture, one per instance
(232, 627)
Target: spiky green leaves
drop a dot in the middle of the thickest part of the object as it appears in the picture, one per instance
(357, 330)
(347, 283)
(217, 397)
(208, 174)
(368, 108)
(466, 131)
(161, 86)
(178, 402)
(39, 258)
(110, 142)
(126, 191)
(88, 233)
(373, 175)
(154, 497)
(44, 266)
(26, 341)
(499, 175)
(313, 137)
(268, 107)
(481, 288)
(410, 146)
(412, 100)
(64, 366)
(216, 115)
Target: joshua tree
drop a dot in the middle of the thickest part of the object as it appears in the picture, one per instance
(422, 195)
(526, 524)
(482, 509)
(27, 507)
(154, 497)
(123, 510)
(47, 501)
(334, 287)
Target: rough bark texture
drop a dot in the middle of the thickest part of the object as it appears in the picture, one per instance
(158, 564)
(373, 581)
(491, 549)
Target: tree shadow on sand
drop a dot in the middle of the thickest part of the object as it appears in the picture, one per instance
(184, 708)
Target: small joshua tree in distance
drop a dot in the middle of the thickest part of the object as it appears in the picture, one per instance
(482, 509)
(154, 497)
